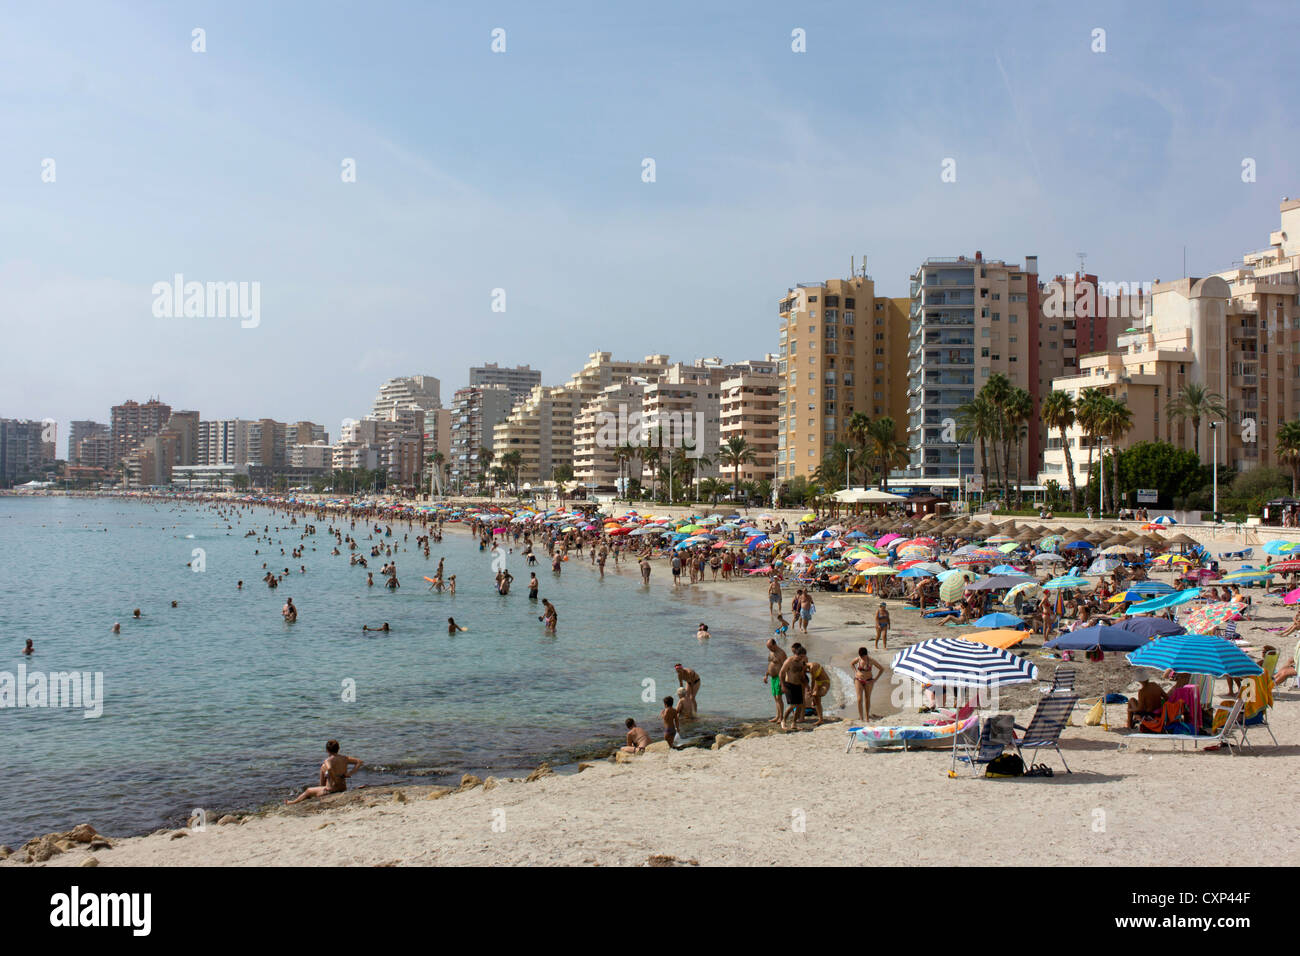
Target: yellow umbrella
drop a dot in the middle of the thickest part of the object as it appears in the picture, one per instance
(881, 569)
(1002, 638)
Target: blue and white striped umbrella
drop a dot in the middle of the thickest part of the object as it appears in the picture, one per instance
(952, 662)
(1069, 581)
(1195, 654)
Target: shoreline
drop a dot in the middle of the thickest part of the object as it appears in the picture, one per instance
(773, 794)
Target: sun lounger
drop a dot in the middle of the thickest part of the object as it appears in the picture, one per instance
(1230, 731)
(930, 738)
(1045, 727)
(1062, 680)
(1241, 555)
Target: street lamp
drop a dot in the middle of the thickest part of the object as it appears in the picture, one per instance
(1214, 439)
(848, 482)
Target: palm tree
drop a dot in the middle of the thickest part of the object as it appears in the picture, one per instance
(976, 422)
(735, 454)
(653, 455)
(1116, 422)
(513, 462)
(1017, 412)
(1288, 449)
(625, 453)
(1089, 414)
(885, 449)
(1058, 413)
(436, 460)
(485, 456)
(1193, 403)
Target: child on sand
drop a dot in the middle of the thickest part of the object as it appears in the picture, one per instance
(669, 716)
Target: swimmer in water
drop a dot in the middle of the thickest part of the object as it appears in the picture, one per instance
(703, 632)
(453, 627)
(289, 612)
(29, 649)
(382, 629)
(117, 628)
(136, 613)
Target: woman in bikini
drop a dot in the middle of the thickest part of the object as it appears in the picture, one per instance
(865, 672)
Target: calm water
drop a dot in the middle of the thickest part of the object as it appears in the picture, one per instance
(219, 704)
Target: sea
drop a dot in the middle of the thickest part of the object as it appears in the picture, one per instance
(219, 705)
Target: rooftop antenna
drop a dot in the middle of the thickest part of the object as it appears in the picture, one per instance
(1083, 258)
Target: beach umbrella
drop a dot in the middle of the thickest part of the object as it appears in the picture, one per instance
(1213, 616)
(915, 572)
(953, 662)
(1165, 600)
(919, 551)
(1005, 569)
(932, 566)
(1101, 637)
(1195, 654)
(1104, 566)
(1051, 542)
(1068, 581)
(1078, 545)
(881, 569)
(1164, 519)
(1290, 566)
(1280, 547)
(998, 582)
(999, 619)
(1247, 574)
(1047, 558)
(999, 539)
(1119, 549)
(1141, 590)
(952, 588)
(884, 540)
(1003, 638)
(1151, 626)
(1030, 589)
(1291, 597)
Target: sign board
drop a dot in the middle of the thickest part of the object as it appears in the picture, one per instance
(937, 491)
(974, 482)
(1147, 496)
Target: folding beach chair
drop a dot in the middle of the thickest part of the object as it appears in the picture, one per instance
(1231, 732)
(996, 735)
(1045, 727)
(1062, 680)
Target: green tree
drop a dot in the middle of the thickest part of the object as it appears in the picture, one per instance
(1058, 413)
(1288, 449)
(1017, 412)
(977, 422)
(513, 462)
(1193, 402)
(1090, 414)
(885, 449)
(1116, 423)
(1175, 472)
(735, 454)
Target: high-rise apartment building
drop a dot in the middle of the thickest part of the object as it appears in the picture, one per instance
(750, 409)
(81, 430)
(971, 318)
(843, 349)
(520, 380)
(421, 390)
(133, 422)
(476, 410)
(23, 449)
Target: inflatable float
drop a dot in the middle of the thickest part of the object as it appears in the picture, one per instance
(931, 737)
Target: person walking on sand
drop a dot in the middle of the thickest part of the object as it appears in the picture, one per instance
(775, 658)
(806, 610)
(865, 672)
(334, 773)
(882, 625)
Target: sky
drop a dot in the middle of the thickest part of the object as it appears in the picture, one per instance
(523, 171)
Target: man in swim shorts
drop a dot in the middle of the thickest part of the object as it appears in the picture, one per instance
(691, 681)
(775, 658)
(793, 675)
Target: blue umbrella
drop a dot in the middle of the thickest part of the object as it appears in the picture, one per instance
(916, 573)
(1079, 546)
(1195, 654)
(1099, 638)
(1280, 547)
(1068, 581)
(1005, 569)
(855, 536)
(1165, 600)
(1151, 626)
(998, 619)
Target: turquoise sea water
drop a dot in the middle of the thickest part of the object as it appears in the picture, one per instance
(219, 704)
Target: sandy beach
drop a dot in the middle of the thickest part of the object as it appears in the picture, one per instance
(798, 797)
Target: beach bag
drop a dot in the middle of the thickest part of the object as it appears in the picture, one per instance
(1094, 715)
(1095, 655)
(1005, 765)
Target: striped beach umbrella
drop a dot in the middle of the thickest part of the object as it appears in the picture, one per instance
(1247, 574)
(1195, 654)
(1290, 566)
(1280, 547)
(952, 588)
(1068, 581)
(1030, 589)
(915, 552)
(953, 662)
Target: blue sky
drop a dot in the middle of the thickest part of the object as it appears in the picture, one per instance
(522, 171)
